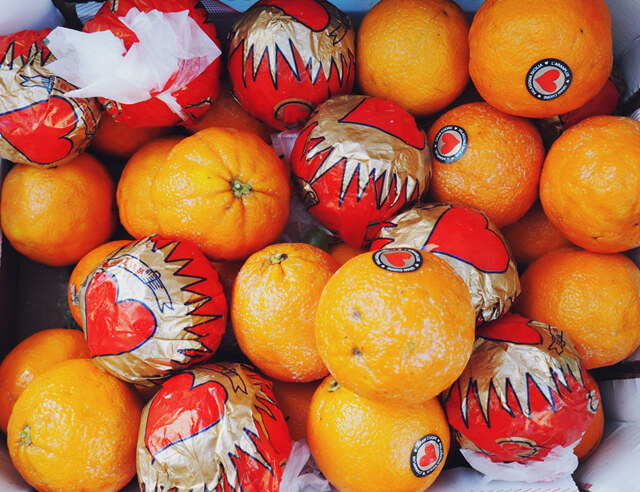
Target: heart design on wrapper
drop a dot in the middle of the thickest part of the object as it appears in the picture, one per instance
(383, 115)
(513, 329)
(114, 326)
(463, 233)
(51, 144)
(307, 12)
(547, 81)
(182, 410)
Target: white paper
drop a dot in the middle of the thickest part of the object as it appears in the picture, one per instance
(467, 480)
(28, 14)
(170, 45)
(301, 474)
(614, 465)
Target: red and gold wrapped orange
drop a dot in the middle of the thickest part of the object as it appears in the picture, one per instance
(213, 427)
(359, 161)
(288, 56)
(152, 308)
(184, 103)
(39, 123)
(523, 402)
(466, 239)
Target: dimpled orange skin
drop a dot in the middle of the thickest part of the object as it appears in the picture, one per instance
(135, 206)
(590, 184)
(593, 297)
(57, 215)
(195, 199)
(414, 52)
(31, 357)
(365, 446)
(74, 429)
(85, 266)
(273, 308)
(500, 169)
(507, 37)
(533, 235)
(397, 337)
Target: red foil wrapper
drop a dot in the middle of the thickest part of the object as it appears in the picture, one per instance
(524, 395)
(359, 161)
(286, 57)
(152, 308)
(466, 239)
(39, 124)
(215, 427)
(195, 98)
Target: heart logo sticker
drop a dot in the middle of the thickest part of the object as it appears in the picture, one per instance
(115, 326)
(400, 260)
(181, 410)
(450, 144)
(426, 455)
(548, 79)
(464, 234)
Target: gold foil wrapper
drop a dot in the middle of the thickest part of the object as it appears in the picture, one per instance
(466, 239)
(151, 309)
(215, 427)
(39, 124)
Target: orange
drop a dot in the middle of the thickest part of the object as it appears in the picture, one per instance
(273, 309)
(343, 252)
(74, 428)
(542, 58)
(533, 235)
(414, 52)
(593, 297)
(57, 215)
(137, 212)
(592, 436)
(486, 159)
(225, 190)
(294, 400)
(590, 184)
(395, 325)
(118, 140)
(83, 268)
(226, 111)
(368, 446)
(31, 357)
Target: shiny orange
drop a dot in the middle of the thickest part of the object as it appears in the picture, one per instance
(118, 140)
(593, 297)
(394, 333)
(343, 252)
(136, 208)
(414, 52)
(498, 168)
(57, 215)
(85, 266)
(74, 428)
(511, 46)
(362, 445)
(273, 309)
(533, 235)
(225, 190)
(226, 111)
(31, 357)
(590, 184)
(294, 400)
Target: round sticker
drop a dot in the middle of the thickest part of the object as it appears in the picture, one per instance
(548, 79)
(398, 259)
(450, 143)
(426, 455)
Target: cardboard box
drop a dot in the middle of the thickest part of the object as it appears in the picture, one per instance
(33, 296)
